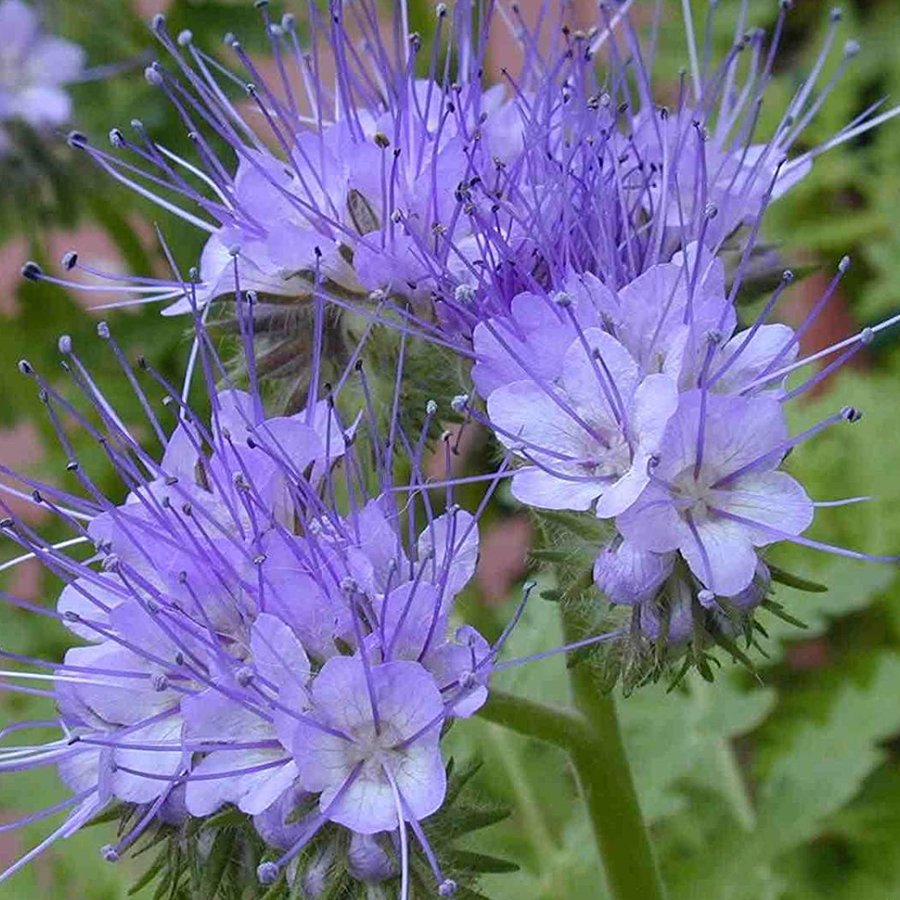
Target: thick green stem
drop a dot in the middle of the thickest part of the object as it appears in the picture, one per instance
(554, 726)
(609, 792)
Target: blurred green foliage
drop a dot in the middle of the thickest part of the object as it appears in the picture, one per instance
(778, 785)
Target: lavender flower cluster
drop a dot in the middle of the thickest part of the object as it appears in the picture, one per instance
(268, 615)
(260, 629)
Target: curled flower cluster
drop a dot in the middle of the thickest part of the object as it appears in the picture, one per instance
(648, 407)
(259, 629)
(440, 198)
(34, 69)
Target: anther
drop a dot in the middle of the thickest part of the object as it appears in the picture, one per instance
(562, 299)
(851, 49)
(464, 293)
(707, 599)
(851, 414)
(185, 37)
(109, 853)
(72, 465)
(244, 675)
(844, 264)
(447, 888)
(77, 139)
(430, 408)
(158, 23)
(69, 260)
(459, 403)
(467, 680)
(160, 682)
(151, 73)
(116, 138)
(25, 367)
(32, 271)
(787, 276)
(64, 344)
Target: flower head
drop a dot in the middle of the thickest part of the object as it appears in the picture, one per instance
(649, 408)
(256, 628)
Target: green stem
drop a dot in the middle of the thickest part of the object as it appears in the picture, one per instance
(591, 738)
(528, 717)
(605, 776)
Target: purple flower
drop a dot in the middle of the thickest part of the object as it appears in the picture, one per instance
(716, 495)
(379, 761)
(590, 438)
(34, 68)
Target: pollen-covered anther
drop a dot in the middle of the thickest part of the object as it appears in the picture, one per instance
(153, 75)
(464, 293)
(459, 403)
(447, 888)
